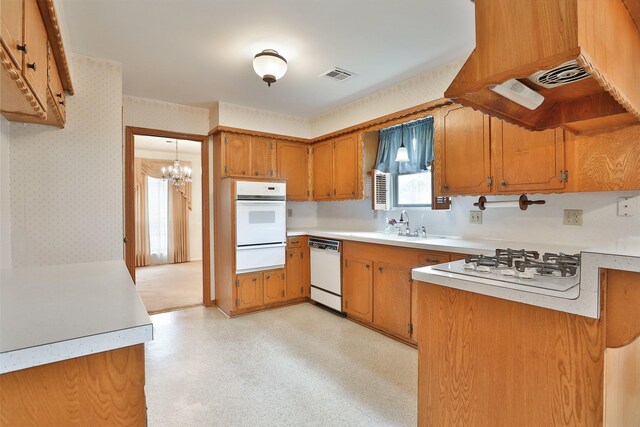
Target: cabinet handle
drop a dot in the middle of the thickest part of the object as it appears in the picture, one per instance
(353, 193)
(445, 186)
(254, 279)
(22, 47)
(368, 266)
(504, 183)
(328, 194)
(59, 95)
(61, 102)
(291, 255)
(433, 261)
(32, 66)
(244, 172)
(380, 269)
(268, 277)
(256, 174)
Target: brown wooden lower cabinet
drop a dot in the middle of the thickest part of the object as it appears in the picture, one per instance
(357, 287)
(392, 298)
(249, 292)
(273, 283)
(102, 389)
(297, 267)
(377, 288)
(483, 361)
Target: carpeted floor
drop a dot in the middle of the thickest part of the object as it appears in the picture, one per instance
(168, 286)
(293, 366)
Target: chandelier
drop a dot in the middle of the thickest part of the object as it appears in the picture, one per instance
(177, 174)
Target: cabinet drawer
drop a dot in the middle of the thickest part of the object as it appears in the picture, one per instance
(294, 242)
(431, 258)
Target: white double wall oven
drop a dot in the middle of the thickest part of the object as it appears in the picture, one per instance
(261, 226)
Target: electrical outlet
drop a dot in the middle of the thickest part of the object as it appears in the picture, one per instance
(289, 212)
(375, 214)
(475, 217)
(625, 206)
(572, 217)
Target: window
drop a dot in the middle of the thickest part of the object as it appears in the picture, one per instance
(412, 190)
(157, 202)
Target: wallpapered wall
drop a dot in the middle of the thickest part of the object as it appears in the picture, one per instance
(5, 214)
(242, 117)
(149, 113)
(408, 93)
(195, 214)
(66, 185)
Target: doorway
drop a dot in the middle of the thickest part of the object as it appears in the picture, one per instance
(167, 248)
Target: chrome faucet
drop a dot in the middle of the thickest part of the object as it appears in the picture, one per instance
(404, 221)
(424, 231)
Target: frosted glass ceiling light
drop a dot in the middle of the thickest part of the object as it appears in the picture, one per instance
(270, 65)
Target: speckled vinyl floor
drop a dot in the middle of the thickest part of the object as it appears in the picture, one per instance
(294, 366)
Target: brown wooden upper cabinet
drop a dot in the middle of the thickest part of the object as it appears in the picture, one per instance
(293, 165)
(32, 87)
(525, 161)
(335, 168)
(462, 149)
(482, 155)
(24, 78)
(248, 156)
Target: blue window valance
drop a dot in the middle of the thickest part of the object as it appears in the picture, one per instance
(418, 139)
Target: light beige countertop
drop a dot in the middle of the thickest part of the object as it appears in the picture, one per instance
(54, 313)
(622, 254)
(433, 242)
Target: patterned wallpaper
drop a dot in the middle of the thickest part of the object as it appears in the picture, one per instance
(408, 93)
(242, 117)
(66, 184)
(5, 213)
(149, 113)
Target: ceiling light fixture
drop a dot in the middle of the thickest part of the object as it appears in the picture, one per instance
(178, 175)
(270, 65)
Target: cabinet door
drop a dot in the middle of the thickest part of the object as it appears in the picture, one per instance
(248, 290)
(392, 298)
(263, 156)
(323, 171)
(525, 161)
(56, 88)
(357, 288)
(35, 63)
(11, 30)
(236, 149)
(274, 286)
(293, 165)
(464, 151)
(295, 287)
(345, 167)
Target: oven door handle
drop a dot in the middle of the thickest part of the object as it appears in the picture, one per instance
(261, 202)
(267, 246)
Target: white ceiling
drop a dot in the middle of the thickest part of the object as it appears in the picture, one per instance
(197, 52)
(168, 145)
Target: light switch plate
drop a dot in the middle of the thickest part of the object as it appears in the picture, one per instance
(289, 212)
(572, 217)
(475, 217)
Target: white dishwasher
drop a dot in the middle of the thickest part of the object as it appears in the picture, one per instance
(326, 277)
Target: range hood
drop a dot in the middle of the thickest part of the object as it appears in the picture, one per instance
(553, 63)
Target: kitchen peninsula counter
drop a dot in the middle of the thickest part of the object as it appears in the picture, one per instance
(72, 345)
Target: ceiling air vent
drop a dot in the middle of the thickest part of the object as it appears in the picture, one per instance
(338, 74)
(568, 72)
